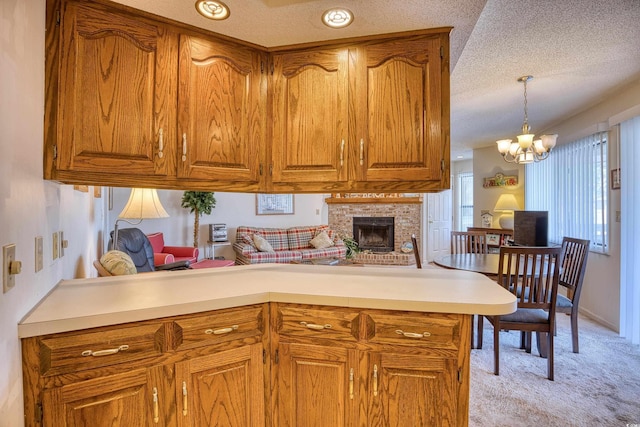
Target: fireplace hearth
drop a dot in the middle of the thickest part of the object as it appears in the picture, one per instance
(375, 234)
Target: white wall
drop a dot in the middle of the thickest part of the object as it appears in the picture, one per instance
(29, 206)
(487, 162)
(233, 209)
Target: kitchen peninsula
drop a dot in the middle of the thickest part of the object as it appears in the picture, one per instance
(250, 344)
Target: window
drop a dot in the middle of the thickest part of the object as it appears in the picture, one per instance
(572, 186)
(464, 201)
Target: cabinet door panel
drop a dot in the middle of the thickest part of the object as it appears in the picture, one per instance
(398, 121)
(220, 111)
(124, 400)
(310, 116)
(224, 389)
(411, 390)
(113, 92)
(314, 386)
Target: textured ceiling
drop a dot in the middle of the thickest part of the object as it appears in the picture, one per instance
(579, 51)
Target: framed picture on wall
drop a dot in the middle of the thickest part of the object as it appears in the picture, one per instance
(615, 179)
(274, 204)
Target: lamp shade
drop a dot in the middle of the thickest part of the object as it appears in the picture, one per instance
(506, 203)
(143, 203)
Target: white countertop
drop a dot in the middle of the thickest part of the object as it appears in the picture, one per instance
(86, 303)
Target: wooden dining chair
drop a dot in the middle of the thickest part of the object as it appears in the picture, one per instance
(532, 275)
(574, 265)
(416, 251)
(469, 242)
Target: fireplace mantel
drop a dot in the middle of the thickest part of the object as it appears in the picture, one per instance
(373, 200)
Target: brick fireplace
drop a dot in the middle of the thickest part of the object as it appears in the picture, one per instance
(406, 213)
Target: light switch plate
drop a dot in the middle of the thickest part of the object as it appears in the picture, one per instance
(8, 255)
(55, 245)
(63, 244)
(39, 253)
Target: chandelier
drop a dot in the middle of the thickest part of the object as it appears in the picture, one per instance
(526, 150)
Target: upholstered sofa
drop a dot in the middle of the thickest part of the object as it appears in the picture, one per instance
(284, 245)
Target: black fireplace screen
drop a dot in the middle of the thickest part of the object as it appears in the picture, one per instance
(374, 233)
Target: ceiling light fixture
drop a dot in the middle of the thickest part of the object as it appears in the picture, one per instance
(215, 10)
(337, 18)
(526, 150)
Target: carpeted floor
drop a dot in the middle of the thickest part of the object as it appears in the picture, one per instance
(600, 386)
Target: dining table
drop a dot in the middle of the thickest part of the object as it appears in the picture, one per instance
(486, 264)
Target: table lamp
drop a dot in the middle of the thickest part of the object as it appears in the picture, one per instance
(506, 204)
(143, 203)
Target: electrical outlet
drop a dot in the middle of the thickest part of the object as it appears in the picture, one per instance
(617, 216)
(55, 245)
(39, 253)
(8, 256)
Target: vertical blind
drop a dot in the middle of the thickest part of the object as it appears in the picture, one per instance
(572, 186)
(630, 230)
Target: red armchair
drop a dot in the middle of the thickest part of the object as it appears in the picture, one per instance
(165, 254)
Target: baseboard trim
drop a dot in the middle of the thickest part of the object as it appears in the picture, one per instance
(600, 320)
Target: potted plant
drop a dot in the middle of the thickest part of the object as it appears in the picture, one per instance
(200, 202)
(352, 246)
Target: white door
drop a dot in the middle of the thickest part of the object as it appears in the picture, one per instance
(439, 215)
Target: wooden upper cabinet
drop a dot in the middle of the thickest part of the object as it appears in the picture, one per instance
(131, 100)
(310, 118)
(221, 111)
(397, 99)
(115, 94)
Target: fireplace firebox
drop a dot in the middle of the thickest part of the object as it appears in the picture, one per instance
(374, 233)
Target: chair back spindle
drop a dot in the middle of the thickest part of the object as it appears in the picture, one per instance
(469, 242)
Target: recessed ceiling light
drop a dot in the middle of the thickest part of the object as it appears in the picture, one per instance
(337, 18)
(213, 9)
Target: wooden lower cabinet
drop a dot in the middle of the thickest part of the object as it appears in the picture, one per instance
(411, 390)
(316, 386)
(223, 389)
(128, 399)
(268, 364)
(348, 367)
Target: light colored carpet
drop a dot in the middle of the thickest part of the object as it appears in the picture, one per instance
(600, 386)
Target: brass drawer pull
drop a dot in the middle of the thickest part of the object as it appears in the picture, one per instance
(184, 398)
(342, 153)
(315, 327)
(105, 352)
(413, 334)
(160, 143)
(184, 147)
(361, 151)
(351, 384)
(375, 380)
(156, 411)
(221, 331)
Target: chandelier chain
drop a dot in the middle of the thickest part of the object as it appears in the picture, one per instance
(526, 116)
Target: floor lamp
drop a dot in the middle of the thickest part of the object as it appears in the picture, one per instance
(143, 203)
